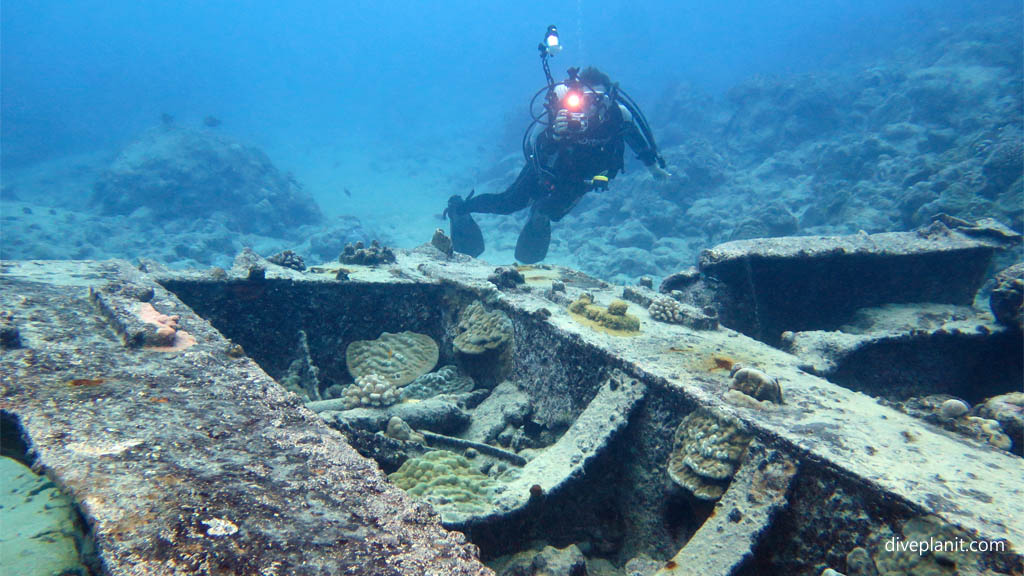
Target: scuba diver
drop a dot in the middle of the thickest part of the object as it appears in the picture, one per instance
(584, 125)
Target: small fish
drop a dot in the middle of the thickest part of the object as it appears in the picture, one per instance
(347, 193)
(211, 121)
(85, 382)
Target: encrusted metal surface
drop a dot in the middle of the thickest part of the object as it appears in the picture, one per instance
(198, 438)
(965, 482)
(195, 462)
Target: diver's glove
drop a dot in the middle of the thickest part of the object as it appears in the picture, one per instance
(659, 173)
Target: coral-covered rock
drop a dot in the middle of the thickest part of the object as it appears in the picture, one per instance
(288, 259)
(480, 330)
(550, 561)
(756, 384)
(448, 482)
(768, 221)
(483, 344)
(183, 174)
(708, 450)
(614, 317)
(446, 380)
(371, 390)
(442, 242)
(506, 278)
(1007, 299)
(358, 253)
(669, 310)
(399, 358)
(1008, 410)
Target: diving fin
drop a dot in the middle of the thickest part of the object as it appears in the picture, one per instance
(532, 245)
(466, 235)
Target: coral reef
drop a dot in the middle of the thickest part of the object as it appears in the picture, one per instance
(613, 318)
(755, 383)
(480, 330)
(446, 380)
(399, 358)
(288, 259)
(370, 390)
(506, 278)
(768, 221)
(1007, 299)
(329, 242)
(178, 174)
(442, 242)
(707, 451)
(447, 481)
(483, 344)
(669, 310)
(953, 408)
(1008, 410)
(358, 253)
(398, 429)
(679, 280)
(954, 414)
(990, 430)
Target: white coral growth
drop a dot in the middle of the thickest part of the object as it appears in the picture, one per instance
(370, 390)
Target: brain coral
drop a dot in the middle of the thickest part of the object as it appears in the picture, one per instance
(707, 451)
(398, 358)
(480, 330)
(756, 384)
(447, 481)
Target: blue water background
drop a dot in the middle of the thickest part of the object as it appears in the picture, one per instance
(318, 84)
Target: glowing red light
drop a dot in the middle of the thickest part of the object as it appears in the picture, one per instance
(573, 101)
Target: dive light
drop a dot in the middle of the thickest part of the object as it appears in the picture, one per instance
(573, 100)
(551, 45)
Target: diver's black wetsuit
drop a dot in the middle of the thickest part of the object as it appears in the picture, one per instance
(552, 183)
